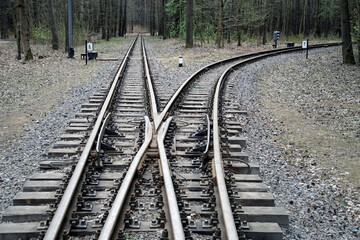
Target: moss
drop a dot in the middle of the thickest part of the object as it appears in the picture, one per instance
(28, 55)
(324, 131)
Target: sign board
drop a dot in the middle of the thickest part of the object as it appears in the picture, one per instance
(304, 44)
(90, 46)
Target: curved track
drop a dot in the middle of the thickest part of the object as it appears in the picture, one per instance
(136, 173)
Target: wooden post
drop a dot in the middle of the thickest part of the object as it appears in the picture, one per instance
(86, 53)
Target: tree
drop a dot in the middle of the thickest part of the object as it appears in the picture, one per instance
(189, 24)
(152, 17)
(165, 20)
(124, 20)
(357, 26)
(107, 19)
(24, 31)
(53, 26)
(347, 50)
(219, 31)
(121, 13)
(102, 20)
(4, 6)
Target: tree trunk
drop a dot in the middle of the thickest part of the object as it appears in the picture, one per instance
(152, 17)
(66, 21)
(307, 19)
(18, 42)
(238, 36)
(35, 12)
(107, 19)
(24, 31)
(165, 28)
(264, 34)
(297, 17)
(160, 18)
(358, 31)
(4, 8)
(219, 30)
(114, 18)
(189, 24)
(124, 22)
(102, 19)
(132, 20)
(55, 38)
(347, 50)
(317, 30)
(120, 19)
(302, 20)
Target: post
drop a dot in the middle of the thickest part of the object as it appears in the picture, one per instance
(181, 61)
(86, 53)
(307, 48)
(276, 37)
(71, 49)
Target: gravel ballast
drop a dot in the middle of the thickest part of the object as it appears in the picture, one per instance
(20, 154)
(320, 208)
(320, 205)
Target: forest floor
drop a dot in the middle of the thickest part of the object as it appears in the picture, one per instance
(30, 89)
(308, 109)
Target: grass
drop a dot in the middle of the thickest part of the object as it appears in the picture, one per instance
(26, 97)
(328, 148)
(325, 133)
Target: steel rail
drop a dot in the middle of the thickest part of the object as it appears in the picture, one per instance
(114, 213)
(153, 105)
(102, 131)
(63, 207)
(230, 227)
(208, 141)
(175, 219)
(211, 65)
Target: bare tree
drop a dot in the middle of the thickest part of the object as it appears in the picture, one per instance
(4, 7)
(53, 26)
(347, 50)
(24, 30)
(165, 20)
(189, 24)
(152, 17)
(120, 20)
(102, 20)
(107, 18)
(219, 31)
(124, 21)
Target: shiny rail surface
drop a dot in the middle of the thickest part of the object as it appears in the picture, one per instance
(62, 210)
(232, 59)
(177, 228)
(155, 137)
(111, 221)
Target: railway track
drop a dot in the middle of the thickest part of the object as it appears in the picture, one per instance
(125, 170)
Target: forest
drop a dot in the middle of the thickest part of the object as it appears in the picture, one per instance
(197, 21)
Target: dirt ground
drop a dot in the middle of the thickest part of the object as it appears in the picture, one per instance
(315, 105)
(30, 89)
(319, 119)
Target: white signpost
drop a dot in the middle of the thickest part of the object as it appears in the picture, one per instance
(305, 45)
(90, 47)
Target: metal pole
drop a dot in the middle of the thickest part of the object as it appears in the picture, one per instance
(86, 53)
(71, 49)
(307, 48)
